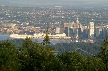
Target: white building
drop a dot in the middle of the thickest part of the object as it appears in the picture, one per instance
(91, 30)
(57, 30)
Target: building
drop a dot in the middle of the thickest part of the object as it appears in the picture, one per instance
(66, 31)
(91, 30)
(59, 30)
(76, 29)
(98, 31)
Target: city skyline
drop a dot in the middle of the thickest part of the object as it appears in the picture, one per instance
(79, 24)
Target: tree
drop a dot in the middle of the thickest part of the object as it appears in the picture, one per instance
(25, 54)
(91, 63)
(46, 40)
(34, 56)
(71, 61)
(8, 56)
(103, 54)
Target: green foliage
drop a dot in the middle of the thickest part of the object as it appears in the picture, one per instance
(92, 64)
(33, 56)
(46, 40)
(103, 54)
(8, 56)
(71, 61)
(68, 47)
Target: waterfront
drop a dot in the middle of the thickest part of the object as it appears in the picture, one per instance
(53, 41)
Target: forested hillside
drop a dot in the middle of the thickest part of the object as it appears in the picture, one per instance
(34, 56)
(79, 47)
(92, 48)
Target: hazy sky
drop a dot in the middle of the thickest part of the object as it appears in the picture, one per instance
(58, 1)
(53, 0)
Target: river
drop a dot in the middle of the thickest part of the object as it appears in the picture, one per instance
(4, 37)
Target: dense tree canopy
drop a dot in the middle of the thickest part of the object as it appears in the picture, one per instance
(92, 48)
(103, 54)
(34, 56)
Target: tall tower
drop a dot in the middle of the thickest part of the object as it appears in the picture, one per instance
(91, 30)
(76, 28)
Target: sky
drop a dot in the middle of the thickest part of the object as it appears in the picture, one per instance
(31, 1)
(97, 2)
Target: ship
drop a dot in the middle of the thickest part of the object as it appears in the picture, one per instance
(39, 36)
(20, 36)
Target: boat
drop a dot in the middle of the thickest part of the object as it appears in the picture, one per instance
(39, 36)
(20, 36)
